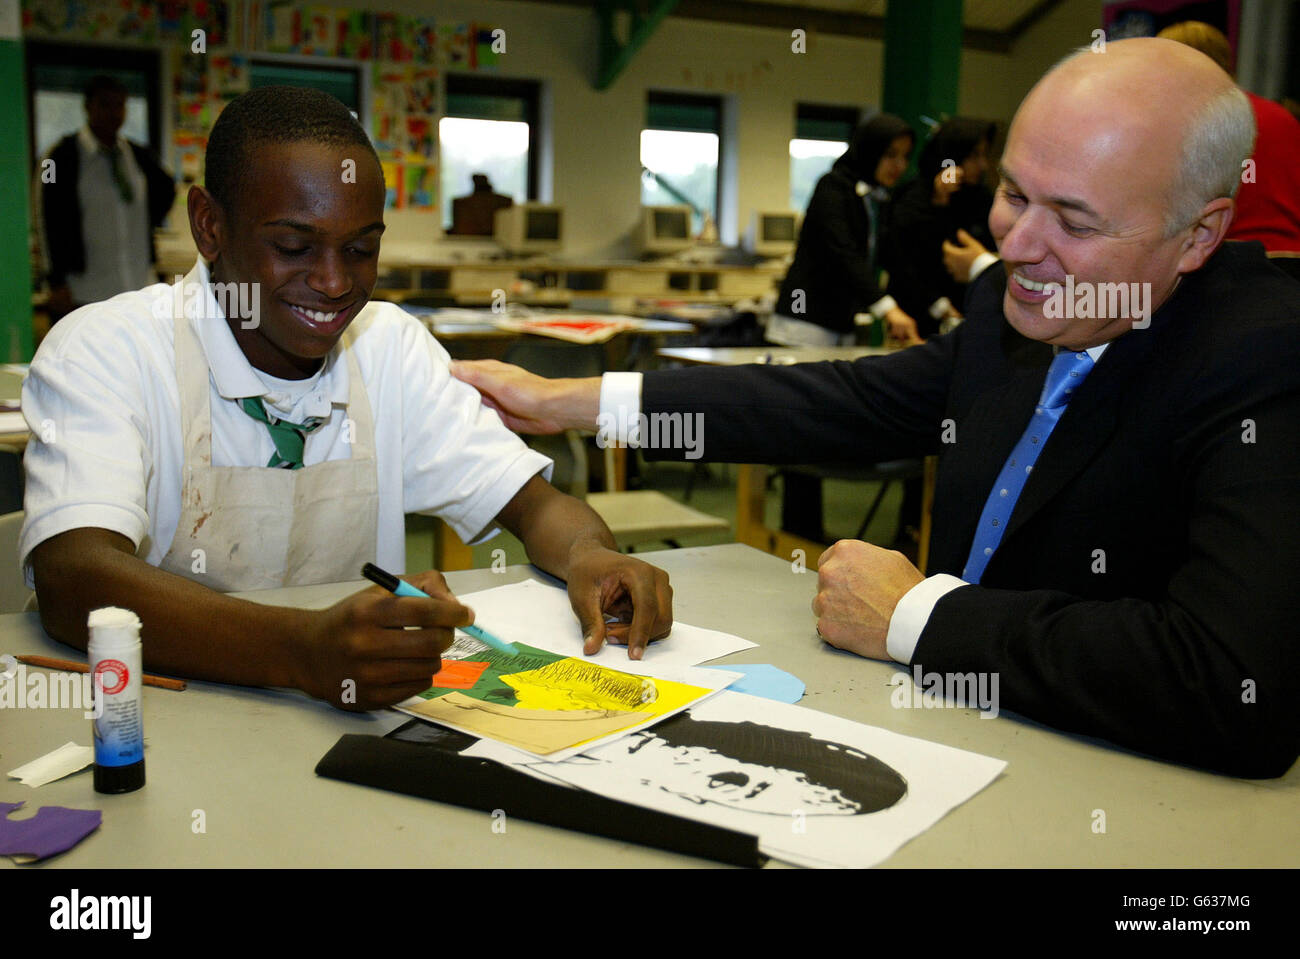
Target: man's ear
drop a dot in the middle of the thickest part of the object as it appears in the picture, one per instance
(207, 222)
(1207, 233)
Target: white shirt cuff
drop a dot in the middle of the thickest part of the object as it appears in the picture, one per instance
(982, 263)
(883, 306)
(940, 307)
(620, 409)
(913, 612)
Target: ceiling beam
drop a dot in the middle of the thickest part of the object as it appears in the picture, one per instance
(615, 54)
(813, 19)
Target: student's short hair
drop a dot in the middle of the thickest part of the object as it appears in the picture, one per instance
(102, 83)
(275, 114)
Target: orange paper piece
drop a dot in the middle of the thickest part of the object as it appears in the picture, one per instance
(458, 674)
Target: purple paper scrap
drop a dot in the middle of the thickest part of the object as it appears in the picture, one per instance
(54, 829)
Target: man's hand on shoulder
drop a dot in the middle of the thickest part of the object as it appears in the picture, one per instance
(606, 583)
(528, 403)
(858, 587)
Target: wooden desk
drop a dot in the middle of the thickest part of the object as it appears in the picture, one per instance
(751, 478)
(473, 280)
(245, 757)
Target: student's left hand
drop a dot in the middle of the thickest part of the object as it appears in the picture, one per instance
(604, 582)
(858, 587)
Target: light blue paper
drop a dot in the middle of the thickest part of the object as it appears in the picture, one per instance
(760, 679)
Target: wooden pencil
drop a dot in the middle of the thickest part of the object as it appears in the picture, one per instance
(47, 662)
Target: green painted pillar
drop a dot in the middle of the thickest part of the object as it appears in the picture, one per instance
(922, 60)
(15, 260)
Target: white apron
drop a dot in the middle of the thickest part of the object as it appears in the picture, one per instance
(254, 527)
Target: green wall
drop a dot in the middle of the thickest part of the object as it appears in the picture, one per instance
(15, 260)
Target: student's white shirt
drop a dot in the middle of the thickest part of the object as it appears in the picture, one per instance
(102, 403)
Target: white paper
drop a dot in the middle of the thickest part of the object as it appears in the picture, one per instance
(64, 761)
(540, 615)
(11, 421)
(799, 816)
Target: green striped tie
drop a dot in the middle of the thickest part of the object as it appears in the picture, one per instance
(119, 174)
(289, 438)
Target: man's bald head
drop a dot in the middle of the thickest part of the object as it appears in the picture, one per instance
(1119, 168)
(1172, 110)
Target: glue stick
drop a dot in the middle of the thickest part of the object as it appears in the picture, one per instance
(116, 669)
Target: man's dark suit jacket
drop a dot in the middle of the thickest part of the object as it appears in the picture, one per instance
(1145, 588)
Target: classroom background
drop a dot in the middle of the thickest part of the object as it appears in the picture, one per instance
(591, 118)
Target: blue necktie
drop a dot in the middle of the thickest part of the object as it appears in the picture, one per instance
(1066, 372)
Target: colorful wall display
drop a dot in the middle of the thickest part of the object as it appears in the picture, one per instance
(407, 56)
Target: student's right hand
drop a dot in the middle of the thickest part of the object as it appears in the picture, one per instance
(902, 327)
(528, 403)
(959, 257)
(946, 182)
(359, 656)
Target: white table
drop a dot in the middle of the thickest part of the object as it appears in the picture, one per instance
(245, 757)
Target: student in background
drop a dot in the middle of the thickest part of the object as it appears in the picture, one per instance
(98, 211)
(261, 424)
(472, 215)
(1268, 203)
(947, 195)
(835, 276)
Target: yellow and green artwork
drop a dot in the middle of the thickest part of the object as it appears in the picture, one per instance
(544, 702)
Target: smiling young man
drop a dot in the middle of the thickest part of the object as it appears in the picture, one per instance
(1114, 533)
(259, 424)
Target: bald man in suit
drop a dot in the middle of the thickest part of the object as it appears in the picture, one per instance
(1126, 571)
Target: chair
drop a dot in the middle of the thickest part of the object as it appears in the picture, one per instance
(11, 479)
(634, 517)
(1287, 262)
(14, 593)
(882, 473)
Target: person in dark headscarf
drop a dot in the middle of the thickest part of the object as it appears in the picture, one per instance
(835, 274)
(947, 195)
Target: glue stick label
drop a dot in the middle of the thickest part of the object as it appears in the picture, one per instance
(119, 731)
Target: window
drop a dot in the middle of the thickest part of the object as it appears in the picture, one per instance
(680, 153)
(489, 126)
(343, 83)
(57, 78)
(821, 134)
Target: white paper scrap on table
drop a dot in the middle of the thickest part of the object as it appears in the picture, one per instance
(64, 761)
(540, 615)
(816, 789)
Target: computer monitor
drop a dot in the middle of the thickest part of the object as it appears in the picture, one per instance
(529, 228)
(773, 233)
(664, 229)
